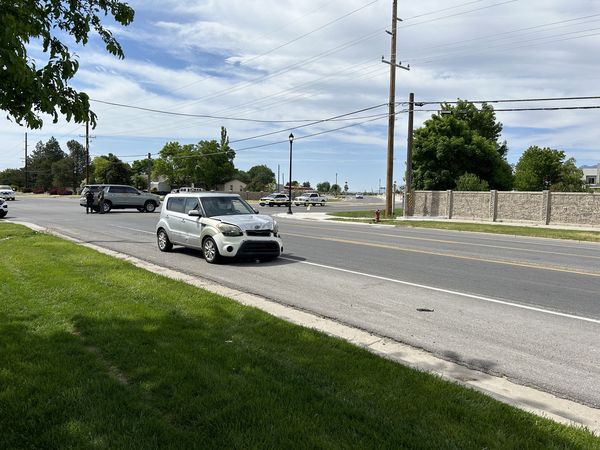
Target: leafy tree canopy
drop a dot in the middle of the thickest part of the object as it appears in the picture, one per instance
(261, 177)
(28, 90)
(110, 169)
(41, 160)
(539, 169)
(471, 182)
(207, 164)
(324, 186)
(461, 139)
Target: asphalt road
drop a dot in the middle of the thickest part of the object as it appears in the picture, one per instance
(527, 309)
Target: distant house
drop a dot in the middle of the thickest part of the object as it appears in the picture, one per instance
(591, 175)
(160, 185)
(234, 185)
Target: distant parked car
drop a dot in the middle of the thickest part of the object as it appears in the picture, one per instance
(274, 199)
(6, 192)
(3, 208)
(310, 198)
(118, 196)
(358, 195)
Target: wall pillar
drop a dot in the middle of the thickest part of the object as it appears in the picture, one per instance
(493, 205)
(449, 203)
(546, 207)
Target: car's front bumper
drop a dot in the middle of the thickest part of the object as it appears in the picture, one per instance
(248, 246)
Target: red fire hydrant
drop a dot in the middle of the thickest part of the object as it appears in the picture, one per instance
(377, 215)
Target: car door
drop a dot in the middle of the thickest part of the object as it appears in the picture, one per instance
(132, 197)
(191, 225)
(175, 218)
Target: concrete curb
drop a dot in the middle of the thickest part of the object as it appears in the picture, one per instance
(537, 402)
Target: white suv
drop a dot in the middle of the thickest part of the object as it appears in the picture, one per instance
(6, 192)
(221, 225)
(3, 207)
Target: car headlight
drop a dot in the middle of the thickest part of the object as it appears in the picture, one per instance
(229, 230)
(275, 228)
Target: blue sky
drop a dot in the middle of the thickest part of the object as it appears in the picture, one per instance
(287, 63)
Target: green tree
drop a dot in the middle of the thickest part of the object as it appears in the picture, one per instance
(460, 139)
(324, 186)
(41, 160)
(545, 168)
(471, 182)
(63, 173)
(78, 156)
(142, 166)
(28, 90)
(335, 189)
(177, 163)
(14, 177)
(216, 163)
(111, 170)
(306, 184)
(260, 178)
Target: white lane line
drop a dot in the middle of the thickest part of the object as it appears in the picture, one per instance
(134, 229)
(447, 291)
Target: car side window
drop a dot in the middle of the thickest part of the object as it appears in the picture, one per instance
(191, 203)
(115, 189)
(130, 190)
(176, 204)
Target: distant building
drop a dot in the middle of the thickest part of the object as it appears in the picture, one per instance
(591, 175)
(160, 185)
(234, 185)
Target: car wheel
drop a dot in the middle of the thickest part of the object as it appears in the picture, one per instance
(107, 207)
(2, 214)
(210, 250)
(149, 206)
(164, 244)
(322, 203)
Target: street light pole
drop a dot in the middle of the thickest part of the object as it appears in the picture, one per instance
(291, 138)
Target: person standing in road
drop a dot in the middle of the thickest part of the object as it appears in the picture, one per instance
(89, 202)
(101, 201)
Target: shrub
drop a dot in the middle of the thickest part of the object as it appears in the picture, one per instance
(38, 190)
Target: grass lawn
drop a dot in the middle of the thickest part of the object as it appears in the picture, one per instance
(96, 353)
(532, 231)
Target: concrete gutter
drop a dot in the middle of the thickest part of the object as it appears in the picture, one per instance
(528, 399)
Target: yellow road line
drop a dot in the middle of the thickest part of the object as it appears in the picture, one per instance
(474, 244)
(449, 255)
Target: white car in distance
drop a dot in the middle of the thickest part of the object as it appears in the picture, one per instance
(6, 192)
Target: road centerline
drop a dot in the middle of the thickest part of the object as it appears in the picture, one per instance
(448, 291)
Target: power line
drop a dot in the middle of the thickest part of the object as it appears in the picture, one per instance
(546, 99)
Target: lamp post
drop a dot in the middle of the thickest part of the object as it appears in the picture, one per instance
(291, 138)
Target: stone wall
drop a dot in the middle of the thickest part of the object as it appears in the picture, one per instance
(470, 205)
(519, 207)
(567, 208)
(431, 203)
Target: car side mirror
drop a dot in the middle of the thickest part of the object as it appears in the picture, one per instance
(255, 211)
(194, 213)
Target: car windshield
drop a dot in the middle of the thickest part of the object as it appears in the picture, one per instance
(225, 206)
(4, 186)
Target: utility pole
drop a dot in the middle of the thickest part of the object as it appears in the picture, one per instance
(149, 169)
(87, 152)
(277, 189)
(392, 111)
(25, 160)
(408, 197)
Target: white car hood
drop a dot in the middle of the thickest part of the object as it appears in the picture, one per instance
(248, 221)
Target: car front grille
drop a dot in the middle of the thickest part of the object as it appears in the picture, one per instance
(259, 248)
(259, 233)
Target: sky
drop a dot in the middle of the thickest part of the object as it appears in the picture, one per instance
(266, 68)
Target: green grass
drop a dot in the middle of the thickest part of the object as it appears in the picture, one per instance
(95, 353)
(532, 231)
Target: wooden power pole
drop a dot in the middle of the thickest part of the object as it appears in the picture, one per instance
(389, 182)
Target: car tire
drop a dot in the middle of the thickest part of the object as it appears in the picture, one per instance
(149, 206)
(163, 241)
(210, 251)
(2, 214)
(107, 207)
